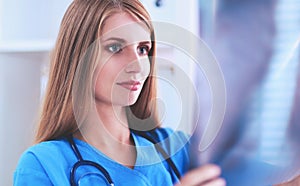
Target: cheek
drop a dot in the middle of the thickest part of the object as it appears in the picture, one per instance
(105, 77)
(99, 86)
(146, 68)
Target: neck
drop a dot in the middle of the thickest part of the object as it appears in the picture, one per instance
(107, 130)
(107, 125)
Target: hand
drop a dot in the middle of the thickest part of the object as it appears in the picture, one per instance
(206, 175)
(293, 182)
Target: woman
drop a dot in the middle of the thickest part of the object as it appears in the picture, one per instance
(98, 125)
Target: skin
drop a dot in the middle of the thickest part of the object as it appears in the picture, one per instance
(124, 59)
(293, 182)
(206, 175)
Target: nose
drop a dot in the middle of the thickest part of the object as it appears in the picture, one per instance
(135, 63)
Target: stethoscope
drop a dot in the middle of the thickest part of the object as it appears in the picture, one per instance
(82, 162)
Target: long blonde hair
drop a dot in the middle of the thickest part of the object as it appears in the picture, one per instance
(73, 63)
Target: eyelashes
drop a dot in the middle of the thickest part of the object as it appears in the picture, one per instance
(143, 50)
(114, 48)
(117, 48)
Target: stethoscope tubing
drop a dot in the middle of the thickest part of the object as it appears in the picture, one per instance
(162, 151)
(82, 162)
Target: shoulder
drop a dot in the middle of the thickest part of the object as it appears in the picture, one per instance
(171, 136)
(170, 140)
(45, 150)
(39, 161)
(177, 145)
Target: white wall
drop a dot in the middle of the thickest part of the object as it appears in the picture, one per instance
(19, 102)
(30, 19)
(27, 33)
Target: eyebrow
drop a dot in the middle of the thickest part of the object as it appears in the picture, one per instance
(115, 39)
(148, 42)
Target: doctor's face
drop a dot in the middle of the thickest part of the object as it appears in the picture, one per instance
(123, 65)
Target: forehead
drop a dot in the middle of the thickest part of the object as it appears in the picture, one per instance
(125, 26)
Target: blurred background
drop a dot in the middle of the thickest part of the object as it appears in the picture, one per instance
(256, 45)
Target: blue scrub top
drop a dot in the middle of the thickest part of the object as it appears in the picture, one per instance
(50, 163)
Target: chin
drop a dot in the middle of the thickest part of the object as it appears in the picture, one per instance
(131, 101)
(124, 102)
(126, 98)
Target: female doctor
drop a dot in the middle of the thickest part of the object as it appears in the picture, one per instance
(98, 124)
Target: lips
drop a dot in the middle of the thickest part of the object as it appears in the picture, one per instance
(130, 85)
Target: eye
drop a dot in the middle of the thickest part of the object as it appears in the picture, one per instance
(114, 48)
(143, 50)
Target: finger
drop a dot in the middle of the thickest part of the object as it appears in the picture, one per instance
(293, 182)
(201, 175)
(216, 182)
